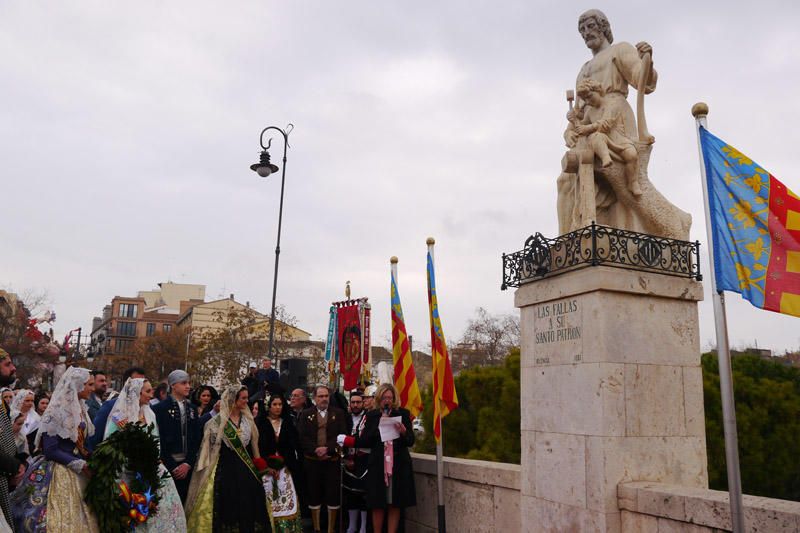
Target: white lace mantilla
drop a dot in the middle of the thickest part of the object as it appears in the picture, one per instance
(128, 407)
(66, 411)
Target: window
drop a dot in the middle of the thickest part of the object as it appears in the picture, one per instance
(167, 327)
(126, 329)
(123, 345)
(127, 310)
(151, 329)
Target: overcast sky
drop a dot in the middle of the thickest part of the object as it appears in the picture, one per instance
(128, 128)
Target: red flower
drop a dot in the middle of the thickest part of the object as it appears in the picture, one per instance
(260, 464)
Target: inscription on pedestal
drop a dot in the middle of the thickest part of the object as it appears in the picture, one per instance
(558, 329)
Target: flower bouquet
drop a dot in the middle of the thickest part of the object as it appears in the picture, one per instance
(275, 462)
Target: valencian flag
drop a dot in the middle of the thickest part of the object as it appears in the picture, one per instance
(755, 221)
(444, 388)
(405, 379)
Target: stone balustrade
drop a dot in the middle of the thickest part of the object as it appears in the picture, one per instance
(661, 508)
(480, 496)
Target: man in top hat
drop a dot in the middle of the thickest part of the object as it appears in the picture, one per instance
(318, 427)
(180, 429)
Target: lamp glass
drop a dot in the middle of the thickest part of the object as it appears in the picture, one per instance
(264, 171)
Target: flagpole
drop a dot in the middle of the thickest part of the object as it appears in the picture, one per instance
(393, 272)
(700, 111)
(439, 458)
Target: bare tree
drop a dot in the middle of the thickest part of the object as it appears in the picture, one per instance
(487, 339)
(33, 357)
(242, 336)
(223, 352)
(164, 352)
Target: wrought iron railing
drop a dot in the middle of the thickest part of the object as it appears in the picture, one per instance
(600, 245)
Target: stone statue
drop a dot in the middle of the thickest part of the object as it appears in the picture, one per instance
(604, 172)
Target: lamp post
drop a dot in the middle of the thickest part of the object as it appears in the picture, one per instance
(264, 168)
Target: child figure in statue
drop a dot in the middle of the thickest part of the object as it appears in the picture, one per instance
(603, 126)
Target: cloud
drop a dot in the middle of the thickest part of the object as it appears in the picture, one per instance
(128, 131)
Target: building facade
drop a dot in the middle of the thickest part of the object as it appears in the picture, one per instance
(149, 312)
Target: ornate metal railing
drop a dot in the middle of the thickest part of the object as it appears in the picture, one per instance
(600, 245)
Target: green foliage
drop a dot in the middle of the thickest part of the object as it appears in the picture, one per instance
(486, 424)
(135, 449)
(767, 396)
(767, 393)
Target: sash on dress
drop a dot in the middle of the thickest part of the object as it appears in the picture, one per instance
(231, 436)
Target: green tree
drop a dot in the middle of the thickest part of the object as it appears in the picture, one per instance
(486, 423)
(767, 393)
(767, 396)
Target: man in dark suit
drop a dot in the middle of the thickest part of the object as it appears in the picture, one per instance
(101, 418)
(317, 428)
(180, 429)
(95, 400)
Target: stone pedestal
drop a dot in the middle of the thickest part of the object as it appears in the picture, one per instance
(612, 392)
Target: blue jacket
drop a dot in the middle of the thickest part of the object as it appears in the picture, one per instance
(168, 417)
(100, 420)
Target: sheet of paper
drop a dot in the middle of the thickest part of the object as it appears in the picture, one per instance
(388, 427)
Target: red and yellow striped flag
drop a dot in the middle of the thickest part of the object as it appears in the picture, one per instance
(405, 379)
(445, 398)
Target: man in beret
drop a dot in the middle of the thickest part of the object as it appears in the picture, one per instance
(180, 429)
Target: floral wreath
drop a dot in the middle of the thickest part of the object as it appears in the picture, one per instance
(119, 505)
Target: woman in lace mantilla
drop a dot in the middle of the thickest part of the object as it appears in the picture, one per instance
(226, 494)
(133, 405)
(50, 498)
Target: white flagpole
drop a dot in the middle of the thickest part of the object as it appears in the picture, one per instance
(439, 459)
(700, 111)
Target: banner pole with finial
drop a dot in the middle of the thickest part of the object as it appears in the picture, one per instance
(700, 112)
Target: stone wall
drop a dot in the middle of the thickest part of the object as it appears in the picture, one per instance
(662, 508)
(480, 496)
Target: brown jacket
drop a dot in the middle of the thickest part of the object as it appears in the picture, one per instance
(307, 429)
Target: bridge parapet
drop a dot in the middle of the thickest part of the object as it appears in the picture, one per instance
(648, 506)
(480, 496)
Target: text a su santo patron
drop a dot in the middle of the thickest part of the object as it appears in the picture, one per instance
(551, 321)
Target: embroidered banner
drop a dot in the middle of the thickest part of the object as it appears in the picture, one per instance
(331, 353)
(349, 343)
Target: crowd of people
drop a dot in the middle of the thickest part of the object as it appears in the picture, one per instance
(253, 458)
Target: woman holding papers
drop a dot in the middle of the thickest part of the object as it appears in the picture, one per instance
(390, 479)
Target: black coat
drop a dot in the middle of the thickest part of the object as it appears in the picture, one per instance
(287, 445)
(403, 491)
(168, 417)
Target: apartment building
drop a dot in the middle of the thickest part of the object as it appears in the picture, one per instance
(127, 318)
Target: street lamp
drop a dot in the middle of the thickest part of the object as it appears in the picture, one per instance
(264, 168)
